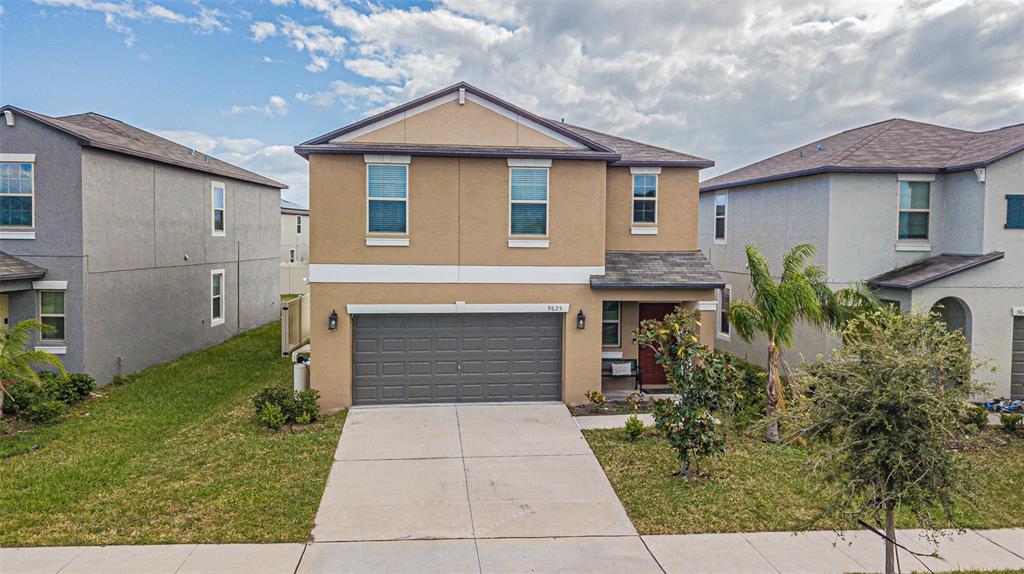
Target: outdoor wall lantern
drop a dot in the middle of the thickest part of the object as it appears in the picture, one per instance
(332, 321)
(581, 320)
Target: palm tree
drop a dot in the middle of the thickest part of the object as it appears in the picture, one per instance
(16, 363)
(801, 293)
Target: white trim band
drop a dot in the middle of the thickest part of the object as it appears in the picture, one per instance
(399, 159)
(707, 305)
(387, 241)
(641, 170)
(611, 354)
(915, 176)
(913, 246)
(530, 243)
(457, 307)
(484, 274)
(52, 349)
(635, 230)
(17, 234)
(50, 285)
(517, 162)
(18, 157)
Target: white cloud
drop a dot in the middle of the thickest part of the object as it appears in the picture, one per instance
(262, 30)
(275, 106)
(350, 95)
(115, 14)
(321, 44)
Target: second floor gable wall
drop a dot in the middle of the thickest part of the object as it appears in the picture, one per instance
(675, 207)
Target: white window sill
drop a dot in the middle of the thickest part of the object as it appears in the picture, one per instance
(720, 242)
(387, 241)
(913, 246)
(18, 234)
(53, 349)
(215, 322)
(611, 354)
(218, 234)
(636, 230)
(723, 336)
(529, 243)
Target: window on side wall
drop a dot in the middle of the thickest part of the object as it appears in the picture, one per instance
(645, 198)
(387, 193)
(217, 200)
(298, 224)
(291, 256)
(1015, 212)
(721, 207)
(52, 314)
(217, 297)
(915, 209)
(528, 199)
(724, 327)
(610, 323)
(17, 186)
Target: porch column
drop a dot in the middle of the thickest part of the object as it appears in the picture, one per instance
(707, 311)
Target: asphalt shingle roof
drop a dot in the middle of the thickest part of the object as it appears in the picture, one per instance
(657, 270)
(637, 153)
(13, 268)
(931, 269)
(292, 207)
(890, 146)
(99, 131)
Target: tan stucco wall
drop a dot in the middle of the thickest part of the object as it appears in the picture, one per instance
(454, 124)
(458, 213)
(678, 197)
(581, 355)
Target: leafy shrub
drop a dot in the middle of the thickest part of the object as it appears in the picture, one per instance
(274, 404)
(634, 427)
(43, 411)
(1010, 421)
(58, 387)
(597, 398)
(82, 384)
(976, 416)
(23, 395)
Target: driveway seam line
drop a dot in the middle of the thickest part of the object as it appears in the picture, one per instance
(761, 554)
(469, 501)
(301, 556)
(73, 558)
(996, 543)
(653, 557)
(178, 569)
(839, 548)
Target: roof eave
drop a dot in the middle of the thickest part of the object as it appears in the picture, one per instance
(697, 163)
(994, 256)
(679, 286)
(552, 153)
(818, 171)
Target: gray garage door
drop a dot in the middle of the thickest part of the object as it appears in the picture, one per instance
(1017, 365)
(456, 358)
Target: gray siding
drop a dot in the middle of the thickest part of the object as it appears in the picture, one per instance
(963, 229)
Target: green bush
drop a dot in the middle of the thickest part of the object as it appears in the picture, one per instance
(634, 427)
(271, 416)
(82, 384)
(597, 398)
(26, 396)
(58, 387)
(43, 411)
(1010, 421)
(976, 416)
(23, 396)
(278, 403)
(751, 396)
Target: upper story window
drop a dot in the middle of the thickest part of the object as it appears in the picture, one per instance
(298, 224)
(291, 256)
(51, 314)
(724, 328)
(915, 209)
(645, 199)
(16, 193)
(387, 193)
(218, 207)
(528, 196)
(721, 207)
(216, 297)
(1015, 212)
(610, 321)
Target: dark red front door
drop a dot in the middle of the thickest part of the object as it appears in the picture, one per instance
(652, 371)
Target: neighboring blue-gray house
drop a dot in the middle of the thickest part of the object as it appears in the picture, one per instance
(132, 248)
(932, 217)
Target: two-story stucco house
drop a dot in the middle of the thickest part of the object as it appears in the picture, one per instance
(929, 216)
(294, 248)
(132, 248)
(466, 249)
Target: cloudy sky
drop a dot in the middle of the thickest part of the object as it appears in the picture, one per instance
(729, 80)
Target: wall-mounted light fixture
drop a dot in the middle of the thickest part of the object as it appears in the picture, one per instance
(332, 321)
(581, 320)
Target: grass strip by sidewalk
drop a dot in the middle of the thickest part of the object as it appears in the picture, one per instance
(173, 457)
(757, 487)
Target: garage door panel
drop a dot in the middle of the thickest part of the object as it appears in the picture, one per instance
(416, 358)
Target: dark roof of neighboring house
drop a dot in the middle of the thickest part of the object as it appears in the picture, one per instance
(13, 268)
(101, 132)
(657, 270)
(597, 146)
(293, 208)
(930, 269)
(895, 145)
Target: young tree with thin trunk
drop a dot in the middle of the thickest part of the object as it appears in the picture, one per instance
(883, 410)
(17, 364)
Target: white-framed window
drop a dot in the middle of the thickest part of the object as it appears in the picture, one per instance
(528, 201)
(721, 209)
(915, 210)
(387, 198)
(216, 297)
(611, 313)
(52, 313)
(291, 256)
(724, 327)
(17, 192)
(218, 207)
(645, 198)
(298, 224)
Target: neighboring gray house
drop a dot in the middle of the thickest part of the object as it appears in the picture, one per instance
(133, 248)
(294, 248)
(932, 217)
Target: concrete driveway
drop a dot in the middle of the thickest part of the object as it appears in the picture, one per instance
(470, 488)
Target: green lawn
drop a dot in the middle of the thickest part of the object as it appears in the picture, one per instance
(756, 486)
(174, 456)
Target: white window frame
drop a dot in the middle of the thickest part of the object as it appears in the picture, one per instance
(914, 244)
(21, 158)
(291, 255)
(633, 198)
(546, 202)
(43, 338)
(214, 321)
(214, 186)
(298, 222)
(725, 219)
(405, 199)
(618, 325)
(720, 317)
